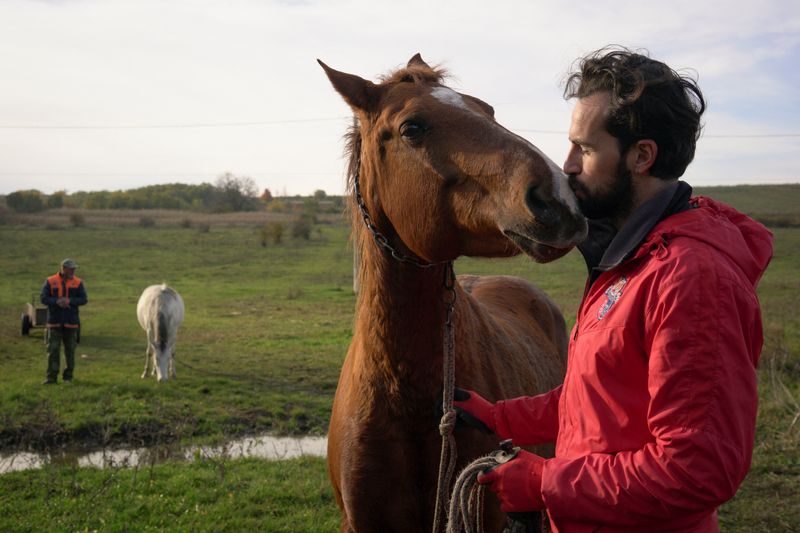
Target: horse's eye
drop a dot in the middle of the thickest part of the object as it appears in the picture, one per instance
(412, 131)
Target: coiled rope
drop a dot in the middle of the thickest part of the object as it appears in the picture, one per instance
(466, 505)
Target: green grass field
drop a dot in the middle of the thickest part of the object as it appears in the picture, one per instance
(234, 496)
(265, 333)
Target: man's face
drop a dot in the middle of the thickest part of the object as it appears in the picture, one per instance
(598, 173)
(68, 273)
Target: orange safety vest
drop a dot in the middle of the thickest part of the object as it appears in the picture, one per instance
(60, 287)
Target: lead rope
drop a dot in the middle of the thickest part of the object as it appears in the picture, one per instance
(447, 459)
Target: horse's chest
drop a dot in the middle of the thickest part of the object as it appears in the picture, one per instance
(389, 477)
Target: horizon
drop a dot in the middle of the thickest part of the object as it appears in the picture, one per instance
(343, 194)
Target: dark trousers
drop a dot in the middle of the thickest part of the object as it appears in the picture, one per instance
(55, 336)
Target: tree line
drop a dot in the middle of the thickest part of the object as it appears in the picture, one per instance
(228, 194)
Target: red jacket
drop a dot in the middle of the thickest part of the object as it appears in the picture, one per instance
(655, 422)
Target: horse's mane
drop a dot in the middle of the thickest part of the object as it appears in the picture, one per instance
(416, 73)
(352, 149)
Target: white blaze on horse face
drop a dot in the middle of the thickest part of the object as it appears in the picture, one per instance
(561, 189)
(448, 96)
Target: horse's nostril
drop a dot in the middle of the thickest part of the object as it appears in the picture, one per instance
(541, 209)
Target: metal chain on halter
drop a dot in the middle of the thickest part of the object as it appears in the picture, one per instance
(447, 459)
(380, 238)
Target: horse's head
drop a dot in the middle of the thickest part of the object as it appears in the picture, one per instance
(162, 357)
(442, 177)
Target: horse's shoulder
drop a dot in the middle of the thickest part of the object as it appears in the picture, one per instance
(519, 306)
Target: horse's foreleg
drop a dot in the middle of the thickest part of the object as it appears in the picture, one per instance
(146, 355)
(344, 526)
(146, 361)
(172, 372)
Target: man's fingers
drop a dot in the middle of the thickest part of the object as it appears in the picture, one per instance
(473, 421)
(460, 395)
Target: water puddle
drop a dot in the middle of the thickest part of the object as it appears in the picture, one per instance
(263, 446)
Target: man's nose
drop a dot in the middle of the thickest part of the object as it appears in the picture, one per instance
(571, 165)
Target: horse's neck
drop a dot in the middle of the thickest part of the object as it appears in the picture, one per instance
(399, 321)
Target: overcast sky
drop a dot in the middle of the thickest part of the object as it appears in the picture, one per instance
(113, 94)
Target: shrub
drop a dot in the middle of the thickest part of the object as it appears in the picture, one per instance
(310, 209)
(77, 220)
(186, 223)
(301, 228)
(146, 222)
(272, 231)
(204, 227)
(276, 206)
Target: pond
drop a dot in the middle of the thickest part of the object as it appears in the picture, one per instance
(262, 446)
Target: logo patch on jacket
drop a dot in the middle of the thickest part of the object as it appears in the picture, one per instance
(613, 293)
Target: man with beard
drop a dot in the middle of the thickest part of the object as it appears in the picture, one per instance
(655, 421)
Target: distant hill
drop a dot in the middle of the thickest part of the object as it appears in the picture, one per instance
(773, 205)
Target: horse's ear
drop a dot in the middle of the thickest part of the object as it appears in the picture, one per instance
(417, 60)
(358, 92)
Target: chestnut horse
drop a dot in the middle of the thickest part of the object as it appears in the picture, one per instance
(439, 179)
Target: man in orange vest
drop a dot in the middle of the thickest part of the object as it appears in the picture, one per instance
(62, 293)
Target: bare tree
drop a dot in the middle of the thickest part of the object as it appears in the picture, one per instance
(234, 193)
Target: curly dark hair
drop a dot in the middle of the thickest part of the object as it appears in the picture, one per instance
(649, 100)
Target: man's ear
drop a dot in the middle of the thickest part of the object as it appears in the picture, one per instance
(643, 156)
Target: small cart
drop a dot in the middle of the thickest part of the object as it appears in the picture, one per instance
(35, 316)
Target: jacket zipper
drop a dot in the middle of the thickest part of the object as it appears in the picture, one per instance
(586, 288)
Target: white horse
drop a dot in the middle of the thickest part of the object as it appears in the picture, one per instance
(160, 312)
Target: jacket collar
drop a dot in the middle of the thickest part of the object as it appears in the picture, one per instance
(605, 248)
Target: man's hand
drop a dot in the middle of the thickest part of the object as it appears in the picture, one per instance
(62, 302)
(517, 483)
(475, 410)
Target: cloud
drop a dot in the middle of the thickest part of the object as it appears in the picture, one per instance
(114, 62)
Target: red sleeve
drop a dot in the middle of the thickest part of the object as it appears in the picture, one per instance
(702, 336)
(529, 420)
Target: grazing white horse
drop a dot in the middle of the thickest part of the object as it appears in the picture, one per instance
(160, 312)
